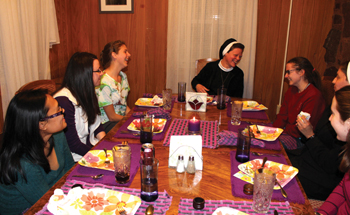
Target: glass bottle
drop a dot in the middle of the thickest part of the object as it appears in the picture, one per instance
(191, 168)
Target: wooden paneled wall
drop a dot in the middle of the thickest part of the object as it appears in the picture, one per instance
(83, 28)
(311, 21)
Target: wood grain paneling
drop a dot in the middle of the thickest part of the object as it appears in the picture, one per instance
(310, 23)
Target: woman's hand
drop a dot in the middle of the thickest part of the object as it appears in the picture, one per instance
(305, 127)
(201, 89)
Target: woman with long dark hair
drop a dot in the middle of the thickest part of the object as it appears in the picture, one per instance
(34, 153)
(304, 94)
(77, 96)
(114, 88)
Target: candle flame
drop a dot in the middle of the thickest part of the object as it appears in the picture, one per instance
(194, 118)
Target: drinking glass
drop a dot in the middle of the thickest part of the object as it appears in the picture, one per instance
(167, 99)
(243, 147)
(181, 91)
(263, 189)
(236, 112)
(149, 181)
(221, 101)
(146, 128)
(121, 159)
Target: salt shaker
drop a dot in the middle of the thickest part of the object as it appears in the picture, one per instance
(180, 164)
(191, 169)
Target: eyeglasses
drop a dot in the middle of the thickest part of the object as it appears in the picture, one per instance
(292, 70)
(99, 70)
(53, 115)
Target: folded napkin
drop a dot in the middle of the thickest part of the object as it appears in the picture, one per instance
(156, 112)
(229, 138)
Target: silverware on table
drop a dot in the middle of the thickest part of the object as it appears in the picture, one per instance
(149, 210)
(284, 193)
(261, 154)
(130, 132)
(257, 129)
(90, 176)
(107, 161)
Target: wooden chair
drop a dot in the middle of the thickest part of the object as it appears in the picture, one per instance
(200, 63)
(50, 85)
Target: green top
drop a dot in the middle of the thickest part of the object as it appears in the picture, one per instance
(16, 198)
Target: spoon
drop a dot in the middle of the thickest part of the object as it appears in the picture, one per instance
(262, 166)
(107, 160)
(260, 154)
(284, 193)
(92, 176)
(257, 129)
(149, 210)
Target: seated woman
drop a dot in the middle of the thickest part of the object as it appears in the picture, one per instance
(77, 96)
(222, 73)
(338, 201)
(34, 153)
(304, 94)
(114, 89)
(319, 176)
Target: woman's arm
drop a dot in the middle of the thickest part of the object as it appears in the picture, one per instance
(74, 143)
(198, 83)
(282, 116)
(112, 115)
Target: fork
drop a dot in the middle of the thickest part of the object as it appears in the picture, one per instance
(257, 129)
(121, 211)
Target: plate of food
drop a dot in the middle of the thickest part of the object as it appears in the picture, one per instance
(96, 159)
(253, 106)
(158, 125)
(265, 133)
(284, 173)
(149, 102)
(210, 99)
(93, 201)
(227, 211)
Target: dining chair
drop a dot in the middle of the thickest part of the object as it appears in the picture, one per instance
(50, 85)
(200, 63)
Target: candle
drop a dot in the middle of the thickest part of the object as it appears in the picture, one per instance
(194, 124)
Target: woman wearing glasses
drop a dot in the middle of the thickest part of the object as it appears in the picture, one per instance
(304, 94)
(34, 153)
(77, 96)
(114, 88)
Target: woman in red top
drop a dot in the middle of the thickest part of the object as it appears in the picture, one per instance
(304, 94)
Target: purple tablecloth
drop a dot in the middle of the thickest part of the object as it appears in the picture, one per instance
(158, 136)
(108, 178)
(142, 108)
(161, 205)
(272, 145)
(292, 188)
(249, 114)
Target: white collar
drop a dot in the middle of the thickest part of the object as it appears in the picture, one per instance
(223, 68)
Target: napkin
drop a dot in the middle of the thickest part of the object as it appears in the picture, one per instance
(229, 138)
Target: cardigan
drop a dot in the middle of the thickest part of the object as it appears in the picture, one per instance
(310, 100)
(210, 77)
(15, 198)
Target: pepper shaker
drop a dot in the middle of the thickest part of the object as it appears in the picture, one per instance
(180, 164)
(191, 168)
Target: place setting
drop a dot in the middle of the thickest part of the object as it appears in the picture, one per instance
(248, 109)
(149, 101)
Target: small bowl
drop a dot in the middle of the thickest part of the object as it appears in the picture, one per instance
(198, 203)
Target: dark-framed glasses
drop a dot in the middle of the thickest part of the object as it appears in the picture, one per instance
(99, 70)
(53, 115)
(290, 71)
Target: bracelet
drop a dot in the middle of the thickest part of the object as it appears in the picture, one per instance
(310, 138)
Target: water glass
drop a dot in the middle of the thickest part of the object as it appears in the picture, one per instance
(243, 147)
(149, 181)
(263, 189)
(236, 112)
(221, 100)
(167, 99)
(181, 91)
(146, 128)
(121, 159)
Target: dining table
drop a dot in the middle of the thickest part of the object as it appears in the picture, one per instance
(215, 183)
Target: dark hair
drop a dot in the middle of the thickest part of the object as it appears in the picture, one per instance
(236, 45)
(78, 79)
(311, 75)
(106, 54)
(22, 138)
(344, 67)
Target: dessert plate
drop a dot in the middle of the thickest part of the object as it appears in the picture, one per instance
(147, 102)
(158, 125)
(96, 159)
(253, 106)
(266, 133)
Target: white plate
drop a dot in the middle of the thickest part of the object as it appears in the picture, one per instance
(253, 106)
(227, 211)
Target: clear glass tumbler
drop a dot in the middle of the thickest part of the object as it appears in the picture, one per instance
(121, 159)
(146, 129)
(167, 99)
(236, 112)
(263, 189)
(149, 181)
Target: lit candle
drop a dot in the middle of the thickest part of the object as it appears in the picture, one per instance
(194, 124)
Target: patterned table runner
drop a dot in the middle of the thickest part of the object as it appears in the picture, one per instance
(249, 114)
(161, 205)
(156, 137)
(271, 145)
(186, 206)
(108, 178)
(209, 132)
(292, 188)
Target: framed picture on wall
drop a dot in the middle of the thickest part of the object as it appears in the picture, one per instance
(116, 6)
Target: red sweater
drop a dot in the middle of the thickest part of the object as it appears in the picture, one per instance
(310, 101)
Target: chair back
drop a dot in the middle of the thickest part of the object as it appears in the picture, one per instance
(200, 63)
(47, 84)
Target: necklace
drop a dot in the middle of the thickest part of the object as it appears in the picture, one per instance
(222, 78)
